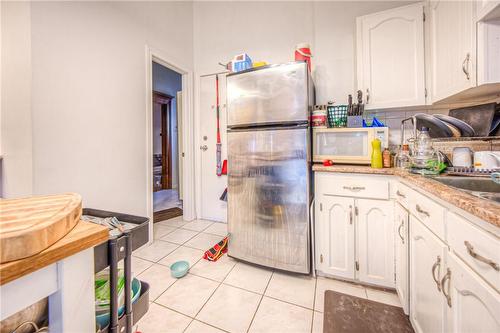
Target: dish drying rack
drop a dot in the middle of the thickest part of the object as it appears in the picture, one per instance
(470, 171)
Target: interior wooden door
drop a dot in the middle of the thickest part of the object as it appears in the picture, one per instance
(163, 178)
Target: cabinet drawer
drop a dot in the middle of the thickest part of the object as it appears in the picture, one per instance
(430, 213)
(477, 248)
(362, 186)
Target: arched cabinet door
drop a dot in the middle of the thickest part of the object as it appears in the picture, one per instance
(375, 231)
(390, 57)
(335, 236)
(473, 305)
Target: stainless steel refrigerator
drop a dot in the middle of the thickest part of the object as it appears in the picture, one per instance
(269, 166)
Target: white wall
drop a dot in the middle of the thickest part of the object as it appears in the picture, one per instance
(168, 82)
(89, 95)
(16, 123)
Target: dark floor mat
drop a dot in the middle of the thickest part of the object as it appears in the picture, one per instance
(166, 214)
(350, 314)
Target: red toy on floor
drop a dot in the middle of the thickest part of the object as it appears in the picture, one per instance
(214, 253)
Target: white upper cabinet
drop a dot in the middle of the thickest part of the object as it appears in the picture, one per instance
(487, 8)
(452, 49)
(390, 57)
(376, 241)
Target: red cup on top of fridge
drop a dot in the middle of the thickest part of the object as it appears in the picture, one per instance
(303, 53)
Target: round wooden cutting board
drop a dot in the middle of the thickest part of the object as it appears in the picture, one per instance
(30, 225)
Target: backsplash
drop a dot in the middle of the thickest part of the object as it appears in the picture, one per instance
(392, 118)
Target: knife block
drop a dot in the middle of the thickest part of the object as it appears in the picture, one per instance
(354, 121)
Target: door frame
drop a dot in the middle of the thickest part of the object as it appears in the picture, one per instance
(166, 140)
(188, 175)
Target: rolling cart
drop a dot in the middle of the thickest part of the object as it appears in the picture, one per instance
(108, 254)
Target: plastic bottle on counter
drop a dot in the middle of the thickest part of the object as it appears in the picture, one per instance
(376, 160)
(386, 158)
(403, 157)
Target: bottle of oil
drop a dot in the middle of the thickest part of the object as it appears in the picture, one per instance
(376, 161)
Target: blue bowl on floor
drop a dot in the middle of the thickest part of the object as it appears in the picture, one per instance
(103, 319)
(179, 268)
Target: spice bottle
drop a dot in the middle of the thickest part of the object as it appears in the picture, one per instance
(386, 157)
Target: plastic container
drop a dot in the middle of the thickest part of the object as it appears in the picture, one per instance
(303, 53)
(376, 160)
(179, 268)
(337, 115)
(318, 117)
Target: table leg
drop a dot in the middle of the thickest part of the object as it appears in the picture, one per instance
(72, 307)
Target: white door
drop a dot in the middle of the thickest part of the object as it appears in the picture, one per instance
(452, 47)
(474, 306)
(335, 236)
(390, 55)
(427, 264)
(211, 185)
(375, 235)
(401, 254)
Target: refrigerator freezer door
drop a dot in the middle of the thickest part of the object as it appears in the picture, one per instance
(273, 95)
(268, 198)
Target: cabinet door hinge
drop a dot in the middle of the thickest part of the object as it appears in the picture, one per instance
(357, 265)
(356, 211)
(425, 92)
(423, 16)
(321, 258)
(320, 207)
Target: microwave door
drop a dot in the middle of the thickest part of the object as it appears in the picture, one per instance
(342, 146)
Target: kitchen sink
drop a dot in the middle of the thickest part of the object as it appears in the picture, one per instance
(481, 187)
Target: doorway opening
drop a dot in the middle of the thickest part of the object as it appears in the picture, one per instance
(167, 106)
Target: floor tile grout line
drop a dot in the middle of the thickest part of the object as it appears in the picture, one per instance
(211, 295)
(314, 302)
(260, 301)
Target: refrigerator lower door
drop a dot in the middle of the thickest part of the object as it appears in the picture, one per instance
(268, 198)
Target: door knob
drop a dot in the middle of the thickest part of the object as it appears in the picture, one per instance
(204, 147)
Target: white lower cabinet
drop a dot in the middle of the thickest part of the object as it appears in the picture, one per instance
(335, 236)
(401, 254)
(427, 262)
(375, 241)
(473, 306)
(354, 234)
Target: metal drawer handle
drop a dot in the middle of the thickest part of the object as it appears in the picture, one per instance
(400, 194)
(350, 214)
(354, 189)
(443, 281)
(479, 257)
(436, 265)
(421, 211)
(399, 232)
(465, 66)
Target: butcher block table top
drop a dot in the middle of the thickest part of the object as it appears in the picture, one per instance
(30, 225)
(83, 236)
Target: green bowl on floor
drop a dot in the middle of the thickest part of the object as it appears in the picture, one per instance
(179, 268)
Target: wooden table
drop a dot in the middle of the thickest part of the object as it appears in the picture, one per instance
(64, 272)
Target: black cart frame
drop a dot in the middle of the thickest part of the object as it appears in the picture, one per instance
(109, 254)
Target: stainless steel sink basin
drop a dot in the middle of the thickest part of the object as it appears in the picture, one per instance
(481, 187)
(474, 184)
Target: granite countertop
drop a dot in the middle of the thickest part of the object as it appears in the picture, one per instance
(486, 210)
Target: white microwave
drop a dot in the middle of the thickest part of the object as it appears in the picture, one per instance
(347, 145)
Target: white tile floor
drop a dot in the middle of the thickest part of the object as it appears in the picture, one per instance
(228, 296)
